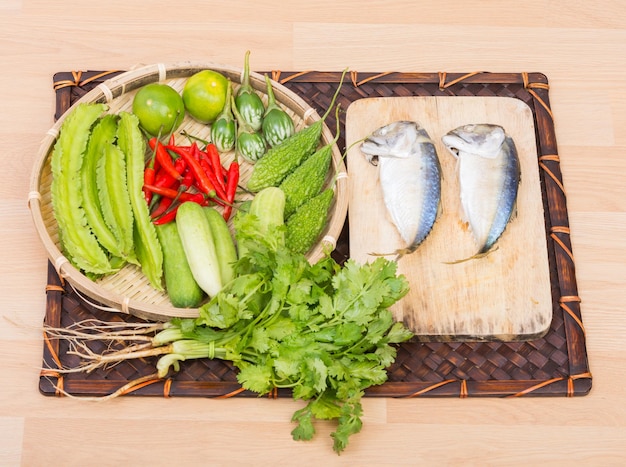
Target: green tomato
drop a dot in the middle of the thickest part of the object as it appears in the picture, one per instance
(204, 95)
(159, 108)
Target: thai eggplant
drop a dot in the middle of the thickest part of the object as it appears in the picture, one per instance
(277, 124)
(224, 129)
(247, 101)
(250, 144)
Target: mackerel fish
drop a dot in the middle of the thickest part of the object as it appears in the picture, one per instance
(489, 174)
(410, 178)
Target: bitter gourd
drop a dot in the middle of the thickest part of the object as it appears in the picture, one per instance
(307, 223)
(308, 178)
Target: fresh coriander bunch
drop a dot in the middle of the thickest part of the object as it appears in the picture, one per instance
(322, 330)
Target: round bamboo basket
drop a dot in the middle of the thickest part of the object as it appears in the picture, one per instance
(128, 291)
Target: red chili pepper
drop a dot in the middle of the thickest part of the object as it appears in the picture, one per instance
(216, 165)
(168, 216)
(164, 180)
(214, 155)
(149, 175)
(148, 178)
(164, 204)
(220, 188)
(202, 180)
(207, 167)
(165, 161)
(231, 188)
(173, 194)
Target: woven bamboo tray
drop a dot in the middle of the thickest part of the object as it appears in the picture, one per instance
(555, 365)
(129, 289)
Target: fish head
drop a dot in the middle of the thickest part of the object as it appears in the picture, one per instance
(482, 139)
(396, 139)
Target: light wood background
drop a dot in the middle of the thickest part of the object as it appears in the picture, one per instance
(581, 47)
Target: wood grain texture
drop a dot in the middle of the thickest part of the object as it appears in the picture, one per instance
(502, 296)
(578, 44)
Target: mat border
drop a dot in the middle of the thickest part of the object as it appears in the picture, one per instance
(534, 86)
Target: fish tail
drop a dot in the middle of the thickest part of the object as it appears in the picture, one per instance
(481, 254)
(399, 253)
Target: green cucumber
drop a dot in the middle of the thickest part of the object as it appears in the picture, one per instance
(267, 208)
(224, 244)
(195, 234)
(181, 287)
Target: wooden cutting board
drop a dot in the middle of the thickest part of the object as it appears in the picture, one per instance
(504, 296)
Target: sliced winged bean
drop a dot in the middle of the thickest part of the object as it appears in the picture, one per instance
(147, 247)
(79, 243)
(103, 133)
(115, 200)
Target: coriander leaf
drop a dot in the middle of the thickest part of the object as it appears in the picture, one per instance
(386, 355)
(300, 292)
(280, 328)
(260, 340)
(325, 306)
(348, 333)
(318, 373)
(305, 429)
(222, 312)
(379, 326)
(398, 333)
(255, 378)
(349, 423)
(325, 407)
(299, 312)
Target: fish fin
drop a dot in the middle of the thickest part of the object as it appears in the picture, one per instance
(480, 254)
(399, 253)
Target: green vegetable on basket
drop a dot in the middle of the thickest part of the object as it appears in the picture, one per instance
(323, 331)
(147, 246)
(114, 198)
(250, 143)
(199, 245)
(268, 209)
(182, 289)
(247, 101)
(224, 128)
(103, 134)
(78, 242)
(308, 178)
(277, 125)
(307, 223)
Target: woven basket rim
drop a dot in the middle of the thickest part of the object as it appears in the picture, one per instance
(110, 90)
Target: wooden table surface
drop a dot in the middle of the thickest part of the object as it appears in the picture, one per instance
(579, 45)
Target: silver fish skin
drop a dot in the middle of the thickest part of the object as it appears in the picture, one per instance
(489, 175)
(410, 178)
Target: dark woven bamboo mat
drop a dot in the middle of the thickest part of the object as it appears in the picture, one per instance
(555, 365)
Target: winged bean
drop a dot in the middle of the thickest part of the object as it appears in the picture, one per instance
(79, 243)
(147, 247)
(115, 200)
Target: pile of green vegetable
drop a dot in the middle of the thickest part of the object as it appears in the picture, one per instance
(103, 219)
(324, 330)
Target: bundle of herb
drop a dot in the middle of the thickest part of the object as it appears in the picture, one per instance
(324, 330)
